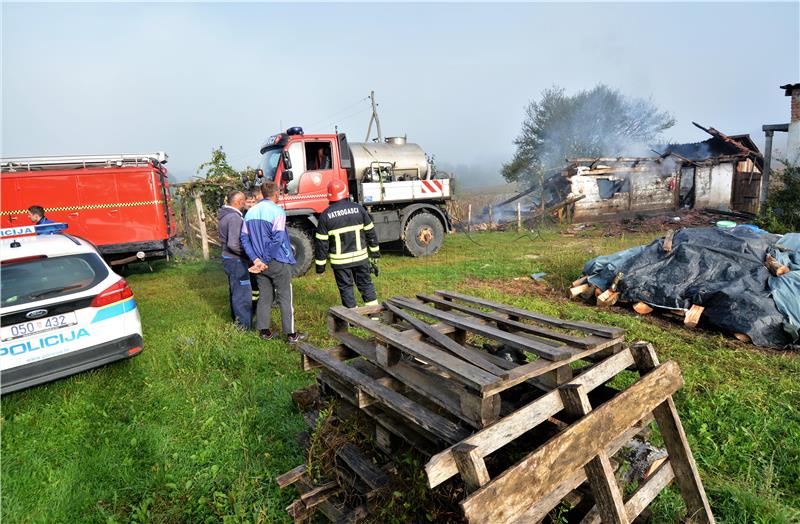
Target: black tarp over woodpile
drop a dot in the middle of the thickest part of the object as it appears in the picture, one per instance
(720, 269)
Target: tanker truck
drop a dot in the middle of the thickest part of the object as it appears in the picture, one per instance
(393, 180)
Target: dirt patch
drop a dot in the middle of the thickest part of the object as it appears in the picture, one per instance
(519, 286)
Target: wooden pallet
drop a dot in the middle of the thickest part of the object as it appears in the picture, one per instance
(418, 375)
(527, 491)
(420, 354)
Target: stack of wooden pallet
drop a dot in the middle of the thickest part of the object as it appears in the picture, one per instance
(509, 403)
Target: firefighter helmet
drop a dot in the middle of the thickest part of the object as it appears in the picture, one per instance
(337, 190)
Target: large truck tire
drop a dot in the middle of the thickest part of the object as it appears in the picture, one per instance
(423, 235)
(303, 250)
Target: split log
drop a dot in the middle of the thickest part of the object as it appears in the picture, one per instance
(775, 267)
(642, 308)
(693, 316)
(579, 290)
(607, 298)
(668, 240)
(583, 280)
(742, 337)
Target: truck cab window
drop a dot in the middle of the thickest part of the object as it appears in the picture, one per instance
(318, 156)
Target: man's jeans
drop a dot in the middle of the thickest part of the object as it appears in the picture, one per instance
(239, 291)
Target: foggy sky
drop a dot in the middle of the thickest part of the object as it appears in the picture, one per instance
(83, 78)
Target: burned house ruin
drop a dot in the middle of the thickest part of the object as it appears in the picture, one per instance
(723, 172)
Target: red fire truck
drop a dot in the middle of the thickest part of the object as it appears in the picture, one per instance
(393, 179)
(120, 203)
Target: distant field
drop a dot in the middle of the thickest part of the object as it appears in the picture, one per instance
(198, 426)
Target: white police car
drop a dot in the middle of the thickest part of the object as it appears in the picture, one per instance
(62, 309)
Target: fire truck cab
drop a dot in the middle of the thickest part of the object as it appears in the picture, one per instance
(393, 180)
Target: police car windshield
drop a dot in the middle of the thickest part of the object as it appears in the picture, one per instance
(31, 280)
(269, 162)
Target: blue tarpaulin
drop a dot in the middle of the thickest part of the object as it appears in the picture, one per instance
(720, 269)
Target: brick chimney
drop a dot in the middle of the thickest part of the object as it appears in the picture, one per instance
(793, 142)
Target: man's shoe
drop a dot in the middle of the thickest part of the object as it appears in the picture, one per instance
(266, 334)
(296, 337)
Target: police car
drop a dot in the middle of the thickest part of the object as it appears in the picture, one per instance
(62, 309)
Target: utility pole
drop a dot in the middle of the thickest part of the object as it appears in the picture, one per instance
(375, 118)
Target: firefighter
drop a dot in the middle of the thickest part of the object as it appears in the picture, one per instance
(346, 236)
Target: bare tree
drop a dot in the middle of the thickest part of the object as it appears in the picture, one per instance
(598, 122)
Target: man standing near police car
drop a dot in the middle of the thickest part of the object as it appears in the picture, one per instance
(266, 241)
(346, 236)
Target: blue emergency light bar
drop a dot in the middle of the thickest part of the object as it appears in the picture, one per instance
(23, 231)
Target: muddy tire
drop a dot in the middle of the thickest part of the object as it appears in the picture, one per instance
(303, 250)
(423, 235)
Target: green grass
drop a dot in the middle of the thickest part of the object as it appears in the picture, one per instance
(198, 426)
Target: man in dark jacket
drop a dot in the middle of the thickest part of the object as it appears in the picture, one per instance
(346, 236)
(234, 259)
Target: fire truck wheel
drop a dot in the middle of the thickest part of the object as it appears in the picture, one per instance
(303, 250)
(424, 235)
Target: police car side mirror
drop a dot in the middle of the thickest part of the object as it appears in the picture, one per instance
(287, 176)
(287, 162)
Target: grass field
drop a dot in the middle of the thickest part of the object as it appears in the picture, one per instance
(198, 426)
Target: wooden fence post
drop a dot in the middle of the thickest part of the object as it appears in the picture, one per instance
(519, 217)
(201, 219)
(469, 218)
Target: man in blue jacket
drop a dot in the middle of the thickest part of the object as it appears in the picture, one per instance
(234, 259)
(266, 242)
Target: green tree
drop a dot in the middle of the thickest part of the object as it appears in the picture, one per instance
(598, 122)
(217, 167)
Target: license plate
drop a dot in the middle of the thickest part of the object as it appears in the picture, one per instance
(39, 325)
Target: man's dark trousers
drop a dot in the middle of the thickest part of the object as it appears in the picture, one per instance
(239, 291)
(358, 274)
(277, 277)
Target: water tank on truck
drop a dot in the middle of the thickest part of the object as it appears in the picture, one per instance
(394, 160)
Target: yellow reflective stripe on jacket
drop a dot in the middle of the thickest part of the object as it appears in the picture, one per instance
(349, 259)
(374, 249)
(346, 229)
(339, 256)
(370, 226)
(320, 262)
(320, 236)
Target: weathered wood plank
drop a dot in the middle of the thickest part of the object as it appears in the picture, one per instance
(546, 504)
(598, 470)
(337, 352)
(291, 476)
(508, 496)
(446, 342)
(642, 497)
(586, 342)
(320, 494)
(597, 329)
(680, 454)
(442, 466)
(509, 339)
(460, 370)
(471, 466)
(368, 472)
(432, 422)
(469, 406)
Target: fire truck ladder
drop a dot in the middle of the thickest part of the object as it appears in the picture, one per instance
(41, 163)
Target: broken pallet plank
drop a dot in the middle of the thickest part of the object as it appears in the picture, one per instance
(368, 472)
